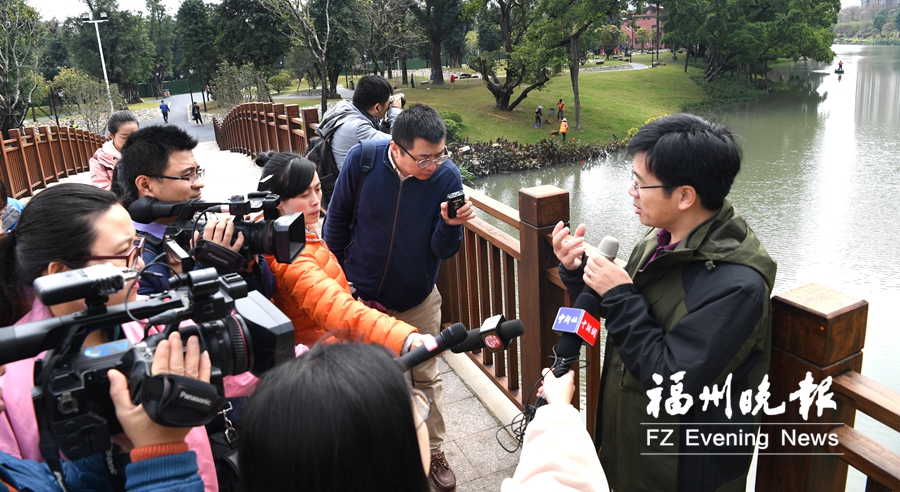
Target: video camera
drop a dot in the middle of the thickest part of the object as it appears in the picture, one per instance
(281, 236)
(71, 395)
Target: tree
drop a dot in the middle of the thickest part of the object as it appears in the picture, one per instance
(530, 60)
(879, 20)
(610, 37)
(302, 29)
(344, 36)
(247, 32)
(161, 31)
(381, 30)
(54, 53)
(642, 36)
(280, 81)
(738, 34)
(21, 31)
(437, 18)
(197, 40)
(85, 95)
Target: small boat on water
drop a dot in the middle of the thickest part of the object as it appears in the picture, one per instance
(838, 70)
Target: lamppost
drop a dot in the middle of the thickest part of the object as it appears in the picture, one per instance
(86, 17)
(56, 113)
(190, 72)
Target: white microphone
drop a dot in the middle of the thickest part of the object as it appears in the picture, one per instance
(608, 248)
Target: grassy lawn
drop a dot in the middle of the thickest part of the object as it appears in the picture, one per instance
(611, 103)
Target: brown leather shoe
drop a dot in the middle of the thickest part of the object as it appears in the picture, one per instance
(441, 475)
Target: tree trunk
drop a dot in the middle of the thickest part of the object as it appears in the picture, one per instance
(403, 68)
(436, 69)
(573, 74)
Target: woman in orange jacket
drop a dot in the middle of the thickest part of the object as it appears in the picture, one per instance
(313, 291)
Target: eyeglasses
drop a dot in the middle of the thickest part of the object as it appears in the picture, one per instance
(423, 405)
(638, 188)
(131, 257)
(192, 178)
(423, 163)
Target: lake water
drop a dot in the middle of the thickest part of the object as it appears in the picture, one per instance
(820, 185)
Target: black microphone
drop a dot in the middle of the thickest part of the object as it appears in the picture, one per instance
(506, 331)
(146, 209)
(585, 328)
(448, 338)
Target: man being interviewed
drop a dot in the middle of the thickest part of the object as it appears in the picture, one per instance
(389, 227)
(691, 309)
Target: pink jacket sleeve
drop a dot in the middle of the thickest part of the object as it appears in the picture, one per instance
(102, 165)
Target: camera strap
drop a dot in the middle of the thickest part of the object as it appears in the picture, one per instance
(180, 401)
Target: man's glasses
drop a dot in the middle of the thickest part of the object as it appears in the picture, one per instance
(423, 405)
(130, 257)
(638, 187)
(191, 178)
(423, 163)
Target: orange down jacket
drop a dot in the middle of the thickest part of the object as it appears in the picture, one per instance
(313, 292)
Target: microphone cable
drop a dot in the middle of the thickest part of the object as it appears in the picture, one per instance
(520, 422)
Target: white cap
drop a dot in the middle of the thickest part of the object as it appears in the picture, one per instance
(565, 119)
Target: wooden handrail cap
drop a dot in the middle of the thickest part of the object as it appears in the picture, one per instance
(542, 206)
(823, 301)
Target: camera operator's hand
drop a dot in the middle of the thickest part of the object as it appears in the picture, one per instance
(466, 212)
(557, 390)
(397, 101)
(221, 232)
(170, 358)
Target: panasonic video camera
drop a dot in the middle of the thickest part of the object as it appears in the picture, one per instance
(284, 237)
(241, 330)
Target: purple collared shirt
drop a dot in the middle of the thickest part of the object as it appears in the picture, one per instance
(158, 230)
(662, 238)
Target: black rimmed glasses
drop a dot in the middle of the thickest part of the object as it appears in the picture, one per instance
(638, 187)
(130, 257)
(422, 404)
(423, 163)
(191, 178)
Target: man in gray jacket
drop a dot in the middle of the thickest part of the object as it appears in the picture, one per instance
(361, 120)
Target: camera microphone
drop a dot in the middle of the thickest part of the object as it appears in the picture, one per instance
(146, 209)
(448, 338)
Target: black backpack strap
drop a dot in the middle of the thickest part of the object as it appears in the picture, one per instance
(366, 160)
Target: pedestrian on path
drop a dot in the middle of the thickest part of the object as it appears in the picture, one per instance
(563, 128)
(195, 114)
(165, 111)
(561, 106)
(538, 115)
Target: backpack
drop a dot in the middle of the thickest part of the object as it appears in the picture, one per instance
(321, 154)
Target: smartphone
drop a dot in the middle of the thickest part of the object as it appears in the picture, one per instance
(455, 201)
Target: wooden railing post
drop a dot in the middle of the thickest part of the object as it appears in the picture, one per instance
(540, 208)
(821, 331)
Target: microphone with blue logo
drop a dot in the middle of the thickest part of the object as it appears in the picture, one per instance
(578, 324)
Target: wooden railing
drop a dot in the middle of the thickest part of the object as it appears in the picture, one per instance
(36, 157)
(814, 329)
(252, 128)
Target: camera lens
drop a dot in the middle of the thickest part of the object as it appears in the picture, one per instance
(227, 342)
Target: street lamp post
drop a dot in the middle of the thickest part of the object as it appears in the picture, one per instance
(86, 17)
(190, 72)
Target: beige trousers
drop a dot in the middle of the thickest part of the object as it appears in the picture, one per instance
(426, 317)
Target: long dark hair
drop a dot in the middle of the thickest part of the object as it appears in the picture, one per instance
(287, 174)
(58, 223)
(336, 419)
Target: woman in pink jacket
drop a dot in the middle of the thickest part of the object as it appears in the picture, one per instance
(67, 227)
(120, 126)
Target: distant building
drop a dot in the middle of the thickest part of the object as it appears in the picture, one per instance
(647, 20)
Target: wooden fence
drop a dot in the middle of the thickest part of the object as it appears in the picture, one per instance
(252, 128)
(39, 156)
(815, 329)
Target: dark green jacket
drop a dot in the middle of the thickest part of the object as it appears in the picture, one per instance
(703, 308)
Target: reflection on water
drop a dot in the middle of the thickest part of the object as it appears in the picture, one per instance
(820, 185)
